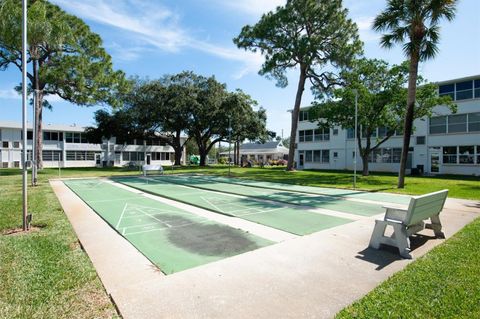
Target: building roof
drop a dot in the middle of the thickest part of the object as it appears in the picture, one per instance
(275, 147)
(255, 146)
(465, 78)
(45, 126)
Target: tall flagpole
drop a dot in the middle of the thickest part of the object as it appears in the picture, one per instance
(24, 113)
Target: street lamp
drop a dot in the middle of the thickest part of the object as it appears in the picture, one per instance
(25, 222)
(229, 145)
(355, 143)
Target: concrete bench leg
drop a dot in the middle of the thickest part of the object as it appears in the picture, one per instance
(436, 226)
(378, 234)
(399, 238)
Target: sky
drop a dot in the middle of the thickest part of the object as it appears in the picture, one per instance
(150, 38)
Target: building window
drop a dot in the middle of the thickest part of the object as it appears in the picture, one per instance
(16, 144)
(466, 154)
(16, 164)
(29, 135)
(133, 156)
(74, 137)
(80, 156)
(449, 155)
(301, 136)
(317, 156)
(303, 116)
(474, 122)
(335, 131)
(5, 144)
(5, 165)
(325, 156)
(478, 154)
(335, 154)
(464, 90)
(420, 140)
(438, 125)
(447, 89)
(308, 135)
(322, 134)
(385, 155)
(308, 156)
(52, 156)
(457, 123)
(52, 136)
(350, 133)
(477, 88)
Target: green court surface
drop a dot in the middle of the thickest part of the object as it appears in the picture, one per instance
(316, 201)
(171, 238)
(296, 221)
(335, 192)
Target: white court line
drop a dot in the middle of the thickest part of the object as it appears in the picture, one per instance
(214, 206)
(161, 221)
(172, 227)
(261, 212)
(121, 215)
(111, 200)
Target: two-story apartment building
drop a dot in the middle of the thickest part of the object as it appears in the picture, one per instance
(67, 146)
(443, 144)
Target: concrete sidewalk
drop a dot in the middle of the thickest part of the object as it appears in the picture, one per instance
(311, 276)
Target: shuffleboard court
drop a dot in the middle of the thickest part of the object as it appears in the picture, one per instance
(316, 201)
(335, 192)
(171, 238)
(295, 221)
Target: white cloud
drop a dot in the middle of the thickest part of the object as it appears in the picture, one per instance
(157, 26)
(252, 7)
(9, 94)
(365, 29)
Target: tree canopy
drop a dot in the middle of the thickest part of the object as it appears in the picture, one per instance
(67, 58)
(381, 99)
(415, 24)
(183, 104)
(314, 36)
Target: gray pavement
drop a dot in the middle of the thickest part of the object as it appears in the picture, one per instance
(312, 276)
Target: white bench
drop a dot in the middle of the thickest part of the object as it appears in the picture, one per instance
(406, 222)
(146, 168)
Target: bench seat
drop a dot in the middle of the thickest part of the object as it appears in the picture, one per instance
(407, 221)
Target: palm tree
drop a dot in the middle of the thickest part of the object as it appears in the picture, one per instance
(415, 24)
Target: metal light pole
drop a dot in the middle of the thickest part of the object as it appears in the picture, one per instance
(24, 115)
(34, 139)
(229, 146)
(355, 144)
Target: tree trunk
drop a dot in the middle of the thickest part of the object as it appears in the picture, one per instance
(39, 133)
(365, 171)
(295, 112)
(178, 149)
(235, 153)
(412, 90)
(238, 152)
(203, 156)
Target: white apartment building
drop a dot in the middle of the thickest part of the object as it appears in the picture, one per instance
(443, 144)
(67, 146)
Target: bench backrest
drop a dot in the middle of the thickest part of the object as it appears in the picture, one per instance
(152, 167)
(425, 206)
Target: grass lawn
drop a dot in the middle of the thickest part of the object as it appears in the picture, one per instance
(445, 283)
(466, 187)
(45, 273)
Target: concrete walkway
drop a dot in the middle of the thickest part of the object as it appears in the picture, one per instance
(312, 276)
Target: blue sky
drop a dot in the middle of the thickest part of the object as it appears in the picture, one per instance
(150, 38)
